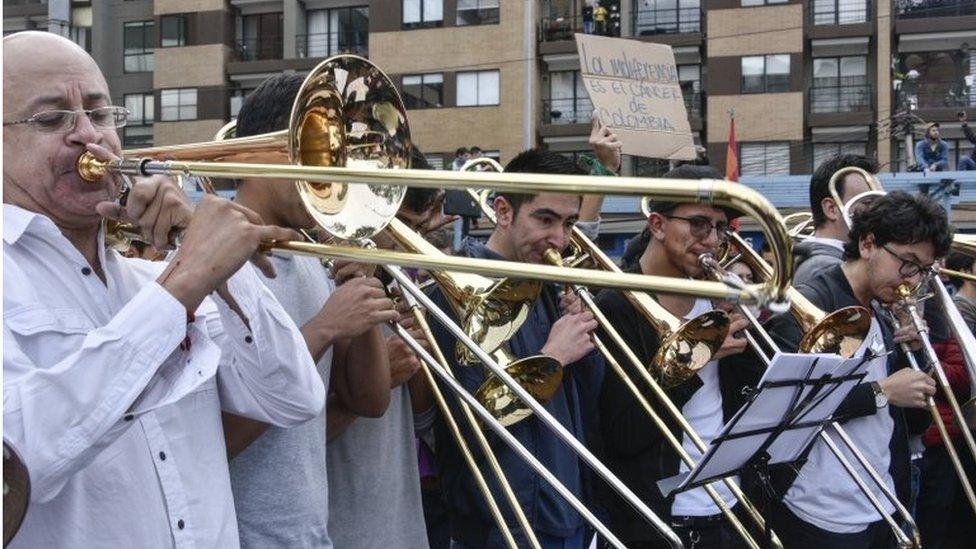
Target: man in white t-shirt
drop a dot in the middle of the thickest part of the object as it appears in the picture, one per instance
(634, 448)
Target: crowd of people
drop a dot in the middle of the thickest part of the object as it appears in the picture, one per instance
(224, 396)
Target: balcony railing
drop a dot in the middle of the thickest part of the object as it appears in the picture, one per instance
(652, 22)
(256, 49)
(839, 12)
(693, 102)
(944, 94)
(324, 44)
(560, 28)
(834, 99)
(578, 110)
(915, 9)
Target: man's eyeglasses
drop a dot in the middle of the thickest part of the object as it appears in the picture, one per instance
(60, 121)
(701, 226)
(908, 268)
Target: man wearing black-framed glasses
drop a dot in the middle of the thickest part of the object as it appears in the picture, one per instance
(675, 236)
(893, 241)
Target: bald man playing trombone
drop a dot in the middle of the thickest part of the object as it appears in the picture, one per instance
(116, 370)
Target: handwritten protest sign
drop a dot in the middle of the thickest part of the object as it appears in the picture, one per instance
(635, 90)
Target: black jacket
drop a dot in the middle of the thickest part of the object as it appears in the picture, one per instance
(633, 447)
(830, 291)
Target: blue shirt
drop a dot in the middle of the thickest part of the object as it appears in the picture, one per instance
(546, 510)
(926, 156)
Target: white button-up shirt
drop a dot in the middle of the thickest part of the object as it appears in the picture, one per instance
(118, 423)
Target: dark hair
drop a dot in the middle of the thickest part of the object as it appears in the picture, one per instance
(417, 199)
(819, 188)
(268, 107)
(475, 149)
(537, 161)
(460, 151)
(958, 261)
(901, 218)
(635, 246)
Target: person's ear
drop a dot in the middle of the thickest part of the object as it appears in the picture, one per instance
(866, 245)
(504, 213)
(830, 209)
(655, 224)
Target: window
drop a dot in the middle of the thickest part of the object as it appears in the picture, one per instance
(689, 77)
(237, 99)
(477, 12)
(423, 91)
(423, 13)
(436, 161)
(138, 40)
(748, 3)
(764, 158)
(654, 17)
(335, 31)
(823, 151)
(172, 31)
(178, 104)
(138, 131)
(766, 73)
(477, 88)
(840, 84)
(262, 37)
(839, 12)
(568, 101)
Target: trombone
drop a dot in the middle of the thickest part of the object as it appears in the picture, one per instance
(348, 111)
(685, 349)
(842, 332)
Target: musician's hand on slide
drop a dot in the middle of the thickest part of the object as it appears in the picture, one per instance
(155, 204)
(734, 342)
(907, 333)
(403, 361)
(569, 340)
(908, 388)
(570, 303)
(220, 237)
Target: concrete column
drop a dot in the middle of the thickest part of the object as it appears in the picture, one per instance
(883, 93)
(290, 29)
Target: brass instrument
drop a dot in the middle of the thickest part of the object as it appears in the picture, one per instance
(835, 337)
(16, 492)
(907, 303)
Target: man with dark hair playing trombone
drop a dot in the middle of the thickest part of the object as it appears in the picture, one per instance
(678, 233)
(892, 243)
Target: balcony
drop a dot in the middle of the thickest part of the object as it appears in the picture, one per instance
(919, 9)
(655, 22)
(257, 49)
(839, 12)
(840, 99)
(554, 29)
(940, 94)
(325, 44)
(578, 110)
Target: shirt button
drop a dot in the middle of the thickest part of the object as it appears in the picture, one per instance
(86, 271)
(128, 417)
(248, 339)
(180, 524)
(162, 456)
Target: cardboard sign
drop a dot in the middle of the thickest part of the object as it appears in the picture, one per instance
(635, 91)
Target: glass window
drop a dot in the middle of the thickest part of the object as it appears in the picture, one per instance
(172, 30)
(477, 12)
(747, 3)
(840, 84)
(138, 131)
(261, 36)
(823, 151)
(839, 12)
(766, 73)
(568, 101)
(334, 31)
(180, 104)
(237, 96)
(477, 88)
(423, 13)
(138, 40)
(667, 17)
(764, 158)
(423, 91)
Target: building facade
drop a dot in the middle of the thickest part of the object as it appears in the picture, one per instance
(803, 79)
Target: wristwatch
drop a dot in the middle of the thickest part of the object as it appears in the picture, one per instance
(880, 399)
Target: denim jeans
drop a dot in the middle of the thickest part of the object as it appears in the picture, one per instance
(966, 164)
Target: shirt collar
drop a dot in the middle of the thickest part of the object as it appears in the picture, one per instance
(17, 220)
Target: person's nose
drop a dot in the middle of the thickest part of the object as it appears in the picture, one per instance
(84, 131)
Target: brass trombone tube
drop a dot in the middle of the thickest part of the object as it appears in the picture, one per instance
(965, 338)
(479, 435)
(957, 274)
(716, 191)
(578, 448)
(943, 381)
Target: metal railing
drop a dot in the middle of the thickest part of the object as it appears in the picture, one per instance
(553, 29)
(839, 12)
(832, 99)
(578, 110)
(324, 44)
(940, 94)
(650, 22)
(255, 49)
(915, 9)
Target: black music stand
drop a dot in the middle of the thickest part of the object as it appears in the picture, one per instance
(791, 404)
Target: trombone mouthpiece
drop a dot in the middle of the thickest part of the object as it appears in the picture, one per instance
(90, 168)
(552, 256)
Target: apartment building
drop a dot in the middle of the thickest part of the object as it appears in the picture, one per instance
(803, 79)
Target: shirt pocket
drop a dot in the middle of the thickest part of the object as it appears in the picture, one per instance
(48, 335)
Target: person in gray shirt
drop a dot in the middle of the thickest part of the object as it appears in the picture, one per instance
(279, 477)
(965, 297)
(826, 247)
